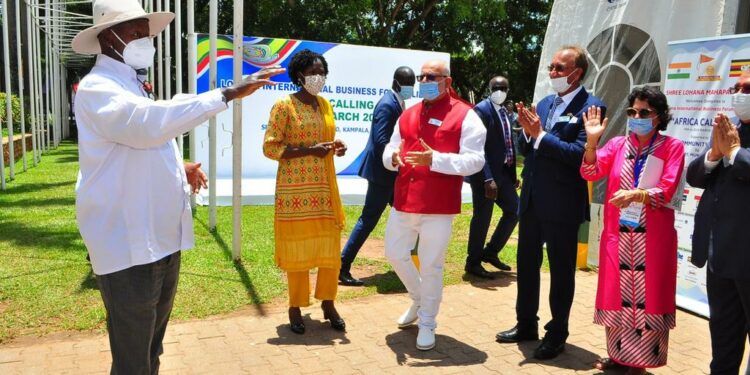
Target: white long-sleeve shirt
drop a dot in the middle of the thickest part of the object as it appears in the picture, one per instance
(468, 160)
(132, 196)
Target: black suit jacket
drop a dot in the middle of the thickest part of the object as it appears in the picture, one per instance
(724, 212)
(384, 118)
(494, 147)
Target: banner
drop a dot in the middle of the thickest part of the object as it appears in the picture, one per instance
(358, 77)
(699, 75)
(626, 42)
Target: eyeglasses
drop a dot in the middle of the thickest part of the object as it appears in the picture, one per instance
(557, 67)
(745, 89)
(642, 113)
(501, 88)
(429, 77)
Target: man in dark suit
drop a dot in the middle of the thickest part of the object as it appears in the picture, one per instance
(495, 184)
(379, 180)
(721, 236)
(554, 200)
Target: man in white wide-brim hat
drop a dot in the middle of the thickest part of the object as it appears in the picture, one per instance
(132, 195)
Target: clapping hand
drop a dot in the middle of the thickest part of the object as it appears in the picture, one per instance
(725, 137)
(420, 158)
(529, 120)
(594, 125)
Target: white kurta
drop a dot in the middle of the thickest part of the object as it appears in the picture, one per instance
(132, 196)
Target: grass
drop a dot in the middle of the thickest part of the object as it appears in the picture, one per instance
(46, 283)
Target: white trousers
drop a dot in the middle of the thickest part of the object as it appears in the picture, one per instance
(425, 285)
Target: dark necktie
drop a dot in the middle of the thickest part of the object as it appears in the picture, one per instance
(505, 124)
(551, 116)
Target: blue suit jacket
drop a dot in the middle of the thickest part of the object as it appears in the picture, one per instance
(384, 118)
(551, 173)
(494, 147)
(722, 212)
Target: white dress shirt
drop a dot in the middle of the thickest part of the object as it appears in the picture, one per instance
(558, 112)
(468, 160)
(132, 196)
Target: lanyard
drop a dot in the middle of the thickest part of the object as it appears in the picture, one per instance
(640, 161)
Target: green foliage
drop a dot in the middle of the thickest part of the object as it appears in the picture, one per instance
(15, 104)
(484, 37)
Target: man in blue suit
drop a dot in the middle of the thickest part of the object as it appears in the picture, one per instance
(379, 180)
(495, 184)
(554, 200)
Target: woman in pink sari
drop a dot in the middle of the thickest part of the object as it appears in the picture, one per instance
(635, 298)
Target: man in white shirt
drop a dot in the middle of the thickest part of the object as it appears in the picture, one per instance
(435, 143)
(132, 195)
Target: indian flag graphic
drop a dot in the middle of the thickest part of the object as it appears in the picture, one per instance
(679, 70)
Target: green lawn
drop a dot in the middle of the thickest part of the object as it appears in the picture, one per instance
(46, 284)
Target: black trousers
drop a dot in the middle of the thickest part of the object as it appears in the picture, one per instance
(507, 200)
(139, 301)
(729, 306)
(562, 249)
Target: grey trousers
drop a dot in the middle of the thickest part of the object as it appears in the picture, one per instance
(138, 301)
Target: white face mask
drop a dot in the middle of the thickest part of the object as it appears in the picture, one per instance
(741, 104)
(498, 97)
(560, 84)
(138, 53)
(314, 84)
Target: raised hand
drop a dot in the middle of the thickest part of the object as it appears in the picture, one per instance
(251, 83)
(529, 120)
(420, 158)
(592, 121)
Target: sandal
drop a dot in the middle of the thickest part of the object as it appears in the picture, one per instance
(603, 364)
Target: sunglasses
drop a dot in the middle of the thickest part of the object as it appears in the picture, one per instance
(557, 68)
(501, 88)
(642, 113)
(429, 77)
(745, 89)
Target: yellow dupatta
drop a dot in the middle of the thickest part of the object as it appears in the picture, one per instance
(329, 132)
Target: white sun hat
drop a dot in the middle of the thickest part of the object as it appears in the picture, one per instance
(108, 13)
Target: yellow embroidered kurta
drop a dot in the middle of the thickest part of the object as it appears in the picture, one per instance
(308, 217)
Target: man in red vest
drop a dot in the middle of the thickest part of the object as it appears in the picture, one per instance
(435, 144)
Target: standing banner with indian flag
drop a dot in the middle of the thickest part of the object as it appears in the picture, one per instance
(679, 70)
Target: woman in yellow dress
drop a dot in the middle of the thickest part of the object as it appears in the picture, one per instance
(308, 217)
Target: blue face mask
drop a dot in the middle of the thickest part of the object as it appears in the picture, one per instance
(429, 90)
(640, 126)
(407, 92)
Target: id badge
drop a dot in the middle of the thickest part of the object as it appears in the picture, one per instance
(631, 215)
(435, 122)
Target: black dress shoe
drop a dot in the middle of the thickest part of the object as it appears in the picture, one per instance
(479, 271)
(496, 262)
(330, 314)
(517, 335)
(549, 349)
(296, 324)
(345, 278)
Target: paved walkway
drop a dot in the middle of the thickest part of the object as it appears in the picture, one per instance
(469, 318)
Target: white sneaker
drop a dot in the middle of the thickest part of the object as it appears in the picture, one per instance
(426, 338)
(409, 317)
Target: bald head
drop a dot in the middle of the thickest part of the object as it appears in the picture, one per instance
(498, 83)
(403, 76)
(439, 66)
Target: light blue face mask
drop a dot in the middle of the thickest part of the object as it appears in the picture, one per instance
(640, 126)
(407, 92)
(429, 90)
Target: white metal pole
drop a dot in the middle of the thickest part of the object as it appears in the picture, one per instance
(167, 57)
(160, 59)
(213, 10)
(42, 118)
(19, 62)
(32, 79)
(8, 95)
(237, 136)
(192, 64)
(178, 61)
(48, 93)
(150, 9)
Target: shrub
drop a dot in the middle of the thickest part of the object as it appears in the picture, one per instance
(15, 104)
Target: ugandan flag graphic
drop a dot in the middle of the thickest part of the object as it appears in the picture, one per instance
(679, 70)
(737, 67)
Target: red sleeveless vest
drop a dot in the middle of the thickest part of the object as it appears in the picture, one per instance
(419, 190)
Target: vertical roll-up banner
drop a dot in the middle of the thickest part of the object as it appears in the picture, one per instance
(627, 45)
(358, 77)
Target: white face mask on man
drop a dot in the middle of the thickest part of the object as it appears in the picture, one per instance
(138, 54)
(741, 104)
(560, 84)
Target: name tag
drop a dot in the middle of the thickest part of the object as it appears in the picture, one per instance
(434, 121)
(573, 120)
(631, 215)
(564, 119)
